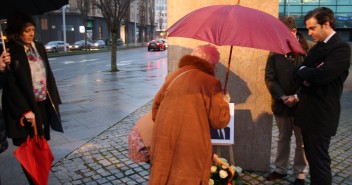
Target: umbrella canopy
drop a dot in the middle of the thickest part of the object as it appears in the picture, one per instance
(32, 7)
(236, 25)
(35, 156)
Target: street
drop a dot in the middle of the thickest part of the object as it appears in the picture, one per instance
(67, 67)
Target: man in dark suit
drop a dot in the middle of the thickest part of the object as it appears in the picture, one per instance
(323, 73)
(220, 133)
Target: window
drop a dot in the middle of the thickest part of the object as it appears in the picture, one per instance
(44, 23)
(100, 32)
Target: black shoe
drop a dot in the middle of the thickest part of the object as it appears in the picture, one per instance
(275, 175)
(299, 182)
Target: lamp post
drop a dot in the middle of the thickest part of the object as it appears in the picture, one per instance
(135, 23)
(64, 26)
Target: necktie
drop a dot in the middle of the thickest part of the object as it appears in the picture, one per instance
(221, 135)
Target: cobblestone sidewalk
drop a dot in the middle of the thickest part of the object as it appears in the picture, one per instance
(104, 160)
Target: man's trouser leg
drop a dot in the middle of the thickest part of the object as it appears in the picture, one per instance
(317, 152)
(300, 163)
(283, 144)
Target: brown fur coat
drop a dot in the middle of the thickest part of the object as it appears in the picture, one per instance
(181, 149)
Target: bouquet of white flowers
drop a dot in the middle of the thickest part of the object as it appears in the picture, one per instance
(224, 174)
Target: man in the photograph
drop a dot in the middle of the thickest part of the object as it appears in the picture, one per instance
(220, 133)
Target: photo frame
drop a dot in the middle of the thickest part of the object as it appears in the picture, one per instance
(225, 136)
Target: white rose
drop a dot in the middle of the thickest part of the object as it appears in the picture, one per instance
(211, 182)
(238, 169)
(213, 169)
(223, 174)
(224, 160)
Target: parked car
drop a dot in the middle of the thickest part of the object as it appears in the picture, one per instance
(80, 45)
(165, 42)
(156, 45)
(55, 46)
(119, 42)
(99, 44)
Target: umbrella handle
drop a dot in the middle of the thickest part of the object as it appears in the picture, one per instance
(34, 126)
(2, 39)
(228, 70)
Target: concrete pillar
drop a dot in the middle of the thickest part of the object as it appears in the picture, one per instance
(253, 117)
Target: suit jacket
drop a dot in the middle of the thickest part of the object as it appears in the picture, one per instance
(279, 71)
(327, 68)
(18, 97)
(214, 133)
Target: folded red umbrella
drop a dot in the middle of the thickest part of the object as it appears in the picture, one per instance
(36, 157)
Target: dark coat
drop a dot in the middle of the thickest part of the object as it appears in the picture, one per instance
(318, 111)
(18, 97)
(214, 133)
(3, 136)
(279, 80)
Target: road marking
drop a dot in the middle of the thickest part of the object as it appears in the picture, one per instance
(94, 63)
(69, 62)
(57, 69)
(88, 60)
(124, 63)
(72, 62)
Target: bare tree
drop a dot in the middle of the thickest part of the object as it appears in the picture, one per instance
(83, 6)
(152, 17)
(142, 20)
(113, 12)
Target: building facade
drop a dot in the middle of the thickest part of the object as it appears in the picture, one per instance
(137, 26)
(160, 18)
(299, 8)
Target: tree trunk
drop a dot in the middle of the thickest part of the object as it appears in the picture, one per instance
(113, 51)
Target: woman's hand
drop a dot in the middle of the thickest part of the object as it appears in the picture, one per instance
(30, 117)
(227, 97)
(4, 59)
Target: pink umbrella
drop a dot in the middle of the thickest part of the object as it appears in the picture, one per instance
(236, 25)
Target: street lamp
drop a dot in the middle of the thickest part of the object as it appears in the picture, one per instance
(135, 23)
(64, 24)
(161, 20)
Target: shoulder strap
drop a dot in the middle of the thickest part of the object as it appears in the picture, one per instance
(173, 80)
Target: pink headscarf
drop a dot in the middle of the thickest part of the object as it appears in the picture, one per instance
(208, 53)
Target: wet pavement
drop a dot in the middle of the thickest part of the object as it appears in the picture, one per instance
(98, 118)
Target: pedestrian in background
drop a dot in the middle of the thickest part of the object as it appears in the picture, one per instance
(283, 89)
(323, 73)
(187, 106)
(4, 58)
(29, 87)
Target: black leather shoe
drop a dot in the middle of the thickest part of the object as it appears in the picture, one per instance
(299, 182)
(274, 175)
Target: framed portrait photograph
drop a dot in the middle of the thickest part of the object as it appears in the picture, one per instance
(225, 136)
